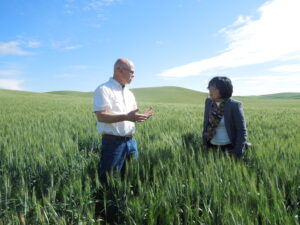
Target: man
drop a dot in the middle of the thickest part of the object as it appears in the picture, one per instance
(116, 111)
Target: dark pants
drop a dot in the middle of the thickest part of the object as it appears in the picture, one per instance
(114, 153)
(223, 148)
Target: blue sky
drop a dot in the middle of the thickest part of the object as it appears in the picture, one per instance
(73, 44)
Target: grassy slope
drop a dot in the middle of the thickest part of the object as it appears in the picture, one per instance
(72, 93)
(291, 95)
(159, 95)
(155, 94)
(48, 160)
(13, 92)
(169, 95)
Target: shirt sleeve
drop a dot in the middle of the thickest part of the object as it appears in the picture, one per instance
(101, 99)
(134, 105)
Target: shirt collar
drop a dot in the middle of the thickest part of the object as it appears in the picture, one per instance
(225, 101)
(116, 83)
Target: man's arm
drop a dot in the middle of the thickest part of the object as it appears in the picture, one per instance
(106, 116)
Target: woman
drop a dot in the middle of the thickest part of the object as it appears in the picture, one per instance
(224, 124)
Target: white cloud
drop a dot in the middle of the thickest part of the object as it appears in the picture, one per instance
(64, 45)
(94, 4)
(11, 84)
(292, 68)
(98, 4)
(9, 72)
(94, 8)
(33, 44)
(58, 44)
(241, 20)
(273, 36)
(72, 47)
(253, 85)
(12, 48)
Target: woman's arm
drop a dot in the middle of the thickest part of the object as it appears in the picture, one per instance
(205, 121)
(241, 131)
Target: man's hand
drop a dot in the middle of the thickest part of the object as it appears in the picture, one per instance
(106, 116)
(149, 112)
(133, 116)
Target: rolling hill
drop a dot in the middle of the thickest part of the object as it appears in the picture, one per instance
(15, 92)
(166, 94)
(72, 93)
(288, 95)
(169, 95)
(154, 94)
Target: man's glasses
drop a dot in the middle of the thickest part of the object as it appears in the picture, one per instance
(130, 71)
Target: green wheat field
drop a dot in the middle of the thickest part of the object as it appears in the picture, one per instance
(49, 152)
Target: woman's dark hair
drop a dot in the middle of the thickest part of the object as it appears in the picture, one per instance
(223, 84)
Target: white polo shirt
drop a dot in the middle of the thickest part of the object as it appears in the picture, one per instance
(119, 100)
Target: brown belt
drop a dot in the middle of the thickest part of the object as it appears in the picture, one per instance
(119, 138)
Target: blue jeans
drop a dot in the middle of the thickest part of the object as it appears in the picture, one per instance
(114, 154)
